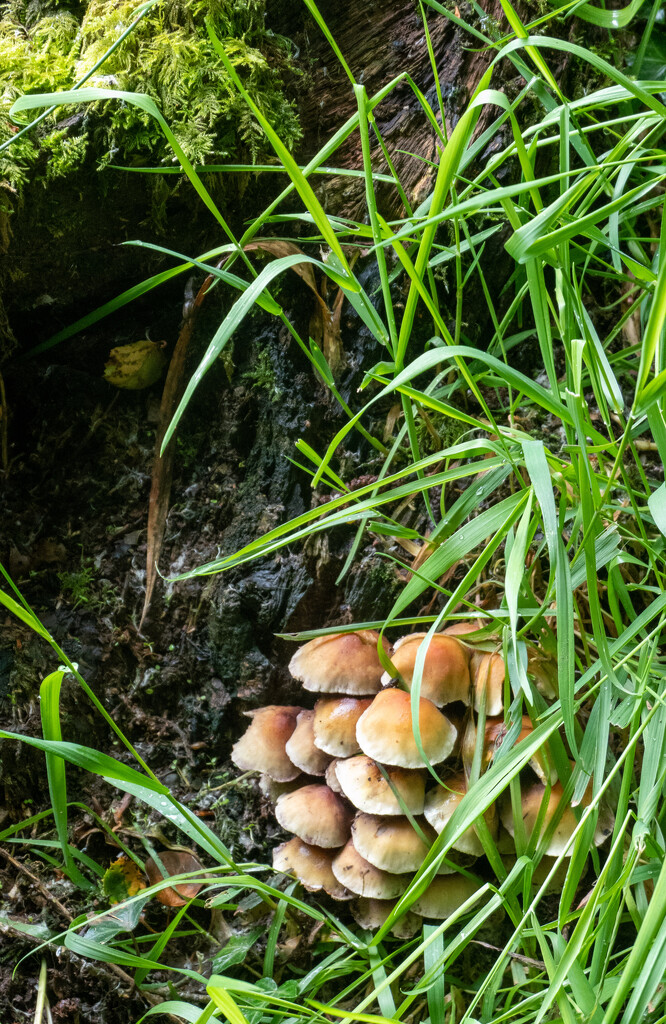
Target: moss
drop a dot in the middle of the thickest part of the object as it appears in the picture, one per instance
(261, 376)
(435, 431)
(84, 587)
(47, 46)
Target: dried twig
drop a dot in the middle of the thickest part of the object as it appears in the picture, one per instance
(36, 882)
(160, 488)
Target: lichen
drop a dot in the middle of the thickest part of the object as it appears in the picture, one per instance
(46, 46)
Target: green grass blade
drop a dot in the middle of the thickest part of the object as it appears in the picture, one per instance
(232, 321)
(299, 180)
(634, 973)
(448, 167)
(537, 467)
(618, 18)
(145, 103)
(49, 708)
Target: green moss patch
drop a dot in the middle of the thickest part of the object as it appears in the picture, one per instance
(49, 46)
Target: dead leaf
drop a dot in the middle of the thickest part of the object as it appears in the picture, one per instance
(325, 322)
(18, 563)
(48, 551)
(174, 862)
(392, 418)
(325, 330)
(278, 248)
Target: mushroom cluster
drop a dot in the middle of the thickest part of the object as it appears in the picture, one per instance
(349, 780)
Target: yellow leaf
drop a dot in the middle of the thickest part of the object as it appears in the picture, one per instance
(135, 366)
(122, 879)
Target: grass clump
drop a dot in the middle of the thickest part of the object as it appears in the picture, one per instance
(544, 511)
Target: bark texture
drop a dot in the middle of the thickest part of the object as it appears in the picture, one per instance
(380, 41)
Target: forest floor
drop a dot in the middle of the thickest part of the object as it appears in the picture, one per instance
(73, 538)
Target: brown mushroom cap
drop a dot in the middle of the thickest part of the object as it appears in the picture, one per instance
(371, 914)
(263, 746)
(391, 844)
(311, 865)
(272, 790)
(363, 783)
(340, 663)
(541, 762)
(444, 896)
(445, 676)
(384, 731)
(331, 777)
(543, 668)
(441, 802)
(531, 804)
(463, 627)
(495, 733)
(334, 724)
(489, 672)
(301, 747)
(316, 815)
(357, 874)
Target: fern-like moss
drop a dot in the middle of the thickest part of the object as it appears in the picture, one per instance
(47, 46)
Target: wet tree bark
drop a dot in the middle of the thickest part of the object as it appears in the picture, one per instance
(380, 42)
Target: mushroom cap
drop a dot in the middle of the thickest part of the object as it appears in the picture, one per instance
(331, 777)
(311, 865)
(445, 676)
(272, 790)
(363, 783)
(301, 747)
(357, 874)
(443, 896)
(316, 815)
(441, 802)
(391, 844)
(340, 663)
(544, 670)
(540, 762)
(371, 914)
(531, 804)
(384, 731)
(334, 724)
(488, 671)
(495, 733)
(263, 746)
(462, 627)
